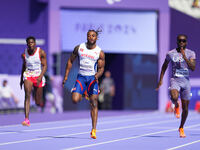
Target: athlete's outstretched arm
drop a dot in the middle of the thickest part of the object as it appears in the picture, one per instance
(69, 63)
(23, 69)
(191, 63)
(164, 67)
(101, 64)
(44, 65)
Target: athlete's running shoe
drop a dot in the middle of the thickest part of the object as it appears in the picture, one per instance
(26, 122)
(181, 132)
(93, 134)
(177, 112)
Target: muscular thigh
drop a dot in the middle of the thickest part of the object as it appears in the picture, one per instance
(28, 86)
(174, 88)
(92, 87)
(38, 92)
(185, 92)
(80, 86)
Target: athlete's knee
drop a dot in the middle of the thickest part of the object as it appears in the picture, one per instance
(27, 96)
(94, 103)
(174, 97)
(75, 99)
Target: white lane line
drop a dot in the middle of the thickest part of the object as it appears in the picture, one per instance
(194, 130)
(184, 145)
(128, 138)
(108, 117)
(103, 130)
(159, 127)
(82, 125)
(79, 120)
(19, 41)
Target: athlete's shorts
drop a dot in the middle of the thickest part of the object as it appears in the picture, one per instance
(32, 76)
(183, 86)
(86, 83)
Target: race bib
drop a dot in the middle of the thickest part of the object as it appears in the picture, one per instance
(182, 72)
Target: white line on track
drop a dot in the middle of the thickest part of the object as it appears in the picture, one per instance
(19, 41)
(195, 130)
(158, 127)
(108, 117)
(184, 145)
(103, 130)
(128, 138)
(82, 124)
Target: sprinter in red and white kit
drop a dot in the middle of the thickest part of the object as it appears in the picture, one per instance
(32, 75)
(91, 62)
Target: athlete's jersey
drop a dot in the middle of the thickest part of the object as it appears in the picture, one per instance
(33, 63)
(179, 65)
(88, 60)
(33, 68)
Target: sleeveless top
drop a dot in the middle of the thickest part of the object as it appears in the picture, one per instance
(179, 65)
(33, 63)
(88, 60)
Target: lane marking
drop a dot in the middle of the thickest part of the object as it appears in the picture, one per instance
(184, 145)
(60, 121)
(103, 130)
(81, 125)
(194, 129)
(19, 41)
(128, 138)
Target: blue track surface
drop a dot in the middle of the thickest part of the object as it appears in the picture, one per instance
(139, 131)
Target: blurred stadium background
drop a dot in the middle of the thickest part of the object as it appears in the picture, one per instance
(136, 37)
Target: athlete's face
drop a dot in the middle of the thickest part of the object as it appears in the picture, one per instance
(31, 44)
(92, 37)
(181, 41)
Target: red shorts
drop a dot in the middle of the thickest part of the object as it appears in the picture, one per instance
(34, 81)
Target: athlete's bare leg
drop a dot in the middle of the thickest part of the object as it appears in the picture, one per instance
(94, 110)
(174, 97)
(185, 104)
(28, 89)
(76, 97)
(38, 95)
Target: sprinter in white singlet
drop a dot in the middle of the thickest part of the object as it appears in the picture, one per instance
(32, 75)
(92, 62)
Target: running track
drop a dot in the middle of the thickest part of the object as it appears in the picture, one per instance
(115, 131)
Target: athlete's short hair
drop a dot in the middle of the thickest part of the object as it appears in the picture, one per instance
(30, 37)
(181, 35)
(98, 31)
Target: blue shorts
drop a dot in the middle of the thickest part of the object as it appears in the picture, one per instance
(86, 83)
(183, 86)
